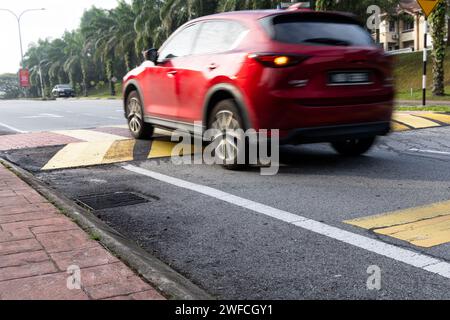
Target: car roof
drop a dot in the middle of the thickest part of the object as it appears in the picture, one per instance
(253, 15)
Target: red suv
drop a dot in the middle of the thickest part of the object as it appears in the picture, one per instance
(315, 76)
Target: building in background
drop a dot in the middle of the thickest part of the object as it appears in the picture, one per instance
(404, 30)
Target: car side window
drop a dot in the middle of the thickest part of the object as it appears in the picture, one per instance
(218, 36)
(181, 44)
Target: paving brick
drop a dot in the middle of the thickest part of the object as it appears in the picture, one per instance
(37, 244)
(16, 201)
(147, 295)
(31, 196)
(47, 287)
(34, 223)
(111, 280)
(20, 259)
(84, 258)
(54, 242)
(28, 208)
(6, 193)
(69, 225)
(25, 217)
(31, 269)
(14, 235)
(19, 246)
(33, 140)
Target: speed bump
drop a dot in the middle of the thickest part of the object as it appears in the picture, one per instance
(425, 226)
(83, 154)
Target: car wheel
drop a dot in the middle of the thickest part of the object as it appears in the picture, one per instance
(353, 147)
(225, 118)
(135, 116)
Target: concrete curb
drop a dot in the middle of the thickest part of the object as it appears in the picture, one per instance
(170, 283)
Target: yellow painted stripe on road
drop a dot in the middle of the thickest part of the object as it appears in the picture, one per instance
(402, 216)
(79, 155)
(425, 226)
(425, 233)
(120, 151)
(415, 122)
(398, 127)
(90, 135)
(84, 154)
(162, 149)
(444, 118)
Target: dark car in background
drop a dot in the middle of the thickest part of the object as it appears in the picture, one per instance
(63, 90)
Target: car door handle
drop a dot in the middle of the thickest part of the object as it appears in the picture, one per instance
(172, 73)
(213, 66)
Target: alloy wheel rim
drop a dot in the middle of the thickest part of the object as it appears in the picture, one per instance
(134, 115)
(227, 128)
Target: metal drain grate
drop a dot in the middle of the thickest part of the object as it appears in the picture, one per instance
(110, 200)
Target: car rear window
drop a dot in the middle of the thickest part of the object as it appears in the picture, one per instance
(311, 30)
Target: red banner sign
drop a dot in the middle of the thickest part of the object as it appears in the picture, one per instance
(24, 78)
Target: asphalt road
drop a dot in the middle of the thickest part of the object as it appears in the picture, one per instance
(236, 252)
(19, 116)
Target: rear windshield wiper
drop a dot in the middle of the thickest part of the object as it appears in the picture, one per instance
(328, 41)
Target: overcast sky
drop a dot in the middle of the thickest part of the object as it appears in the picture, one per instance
(60, 15)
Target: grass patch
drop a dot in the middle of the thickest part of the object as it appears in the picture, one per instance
(103, 92)
(94, 236)
(408, 75)
(444, 109)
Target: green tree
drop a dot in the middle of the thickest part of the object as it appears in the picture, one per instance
(98, 30)
(438, 34)
(324, 5)
(9, 86)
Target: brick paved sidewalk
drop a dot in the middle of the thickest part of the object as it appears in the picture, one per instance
(38, 244)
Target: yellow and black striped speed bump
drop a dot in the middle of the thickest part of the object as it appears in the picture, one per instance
(99, 148)
(404, 121)
(84, 154)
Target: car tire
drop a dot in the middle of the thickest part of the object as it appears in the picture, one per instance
(227, 109)
(353, 147)
(135, 118)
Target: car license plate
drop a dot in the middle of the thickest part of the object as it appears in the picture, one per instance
(349, 78)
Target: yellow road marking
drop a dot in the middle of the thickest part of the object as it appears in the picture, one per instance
(445, 118)
(90, 135)
(79, 155)
(424, 226)
(82, 154)
(415, 122)
(161, 149)
(120, 151)
(425, 233)
(402, 216)
(397, 127)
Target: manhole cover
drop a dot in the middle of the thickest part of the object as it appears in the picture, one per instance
(110, 200)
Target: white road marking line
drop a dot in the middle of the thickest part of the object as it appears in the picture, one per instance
(406, 256)
(430, 151)
(43, 115)
(12, 128)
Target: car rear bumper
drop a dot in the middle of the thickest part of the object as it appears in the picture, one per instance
(336, 133)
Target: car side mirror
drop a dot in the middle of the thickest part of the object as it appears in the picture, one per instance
(151, 55)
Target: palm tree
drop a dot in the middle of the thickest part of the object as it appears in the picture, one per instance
(124, 34)
(147, 24)
(438, 23)
(174, 13)
(324, 5)
(97, 28)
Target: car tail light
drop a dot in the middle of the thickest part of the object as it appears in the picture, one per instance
(278, 60)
